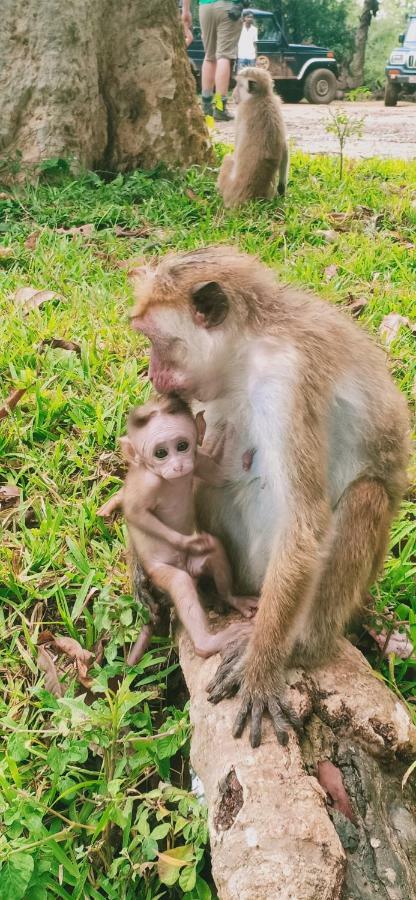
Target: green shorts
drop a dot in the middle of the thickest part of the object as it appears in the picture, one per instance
(220, 34)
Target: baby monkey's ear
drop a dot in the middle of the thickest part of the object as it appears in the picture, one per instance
(251, 86)
(201, 427)
(127, 450)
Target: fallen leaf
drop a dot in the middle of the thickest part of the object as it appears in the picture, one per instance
(30, 298)
(391, 326)
(193, 196)
(139, 231)
(340, 220)
(9, 496)
(46, 664)
(11, 402)
(77, 231)
(31, 241)
(328, 234)
(330, 272)
(72, 648)
(330, 778)
(396, 642)
(356, 305)
(60, 344)
(6, 253)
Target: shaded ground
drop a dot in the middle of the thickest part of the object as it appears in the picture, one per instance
(389, 132)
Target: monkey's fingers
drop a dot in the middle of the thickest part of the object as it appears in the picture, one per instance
(279, 721)
(289, 714)
(256, 717)
(241, 718)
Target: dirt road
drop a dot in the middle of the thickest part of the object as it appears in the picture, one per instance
(387, 131)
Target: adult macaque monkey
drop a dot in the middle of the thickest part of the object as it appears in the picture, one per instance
(162, 450)
(261, 156)
(307, 522)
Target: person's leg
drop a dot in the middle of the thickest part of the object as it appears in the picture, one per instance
(228, 33)
(209, 39)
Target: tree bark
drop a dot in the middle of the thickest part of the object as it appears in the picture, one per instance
(355, 75)
(103, 81)
(279, 828)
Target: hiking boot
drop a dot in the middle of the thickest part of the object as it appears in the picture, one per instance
(207, 107)
(222, 115)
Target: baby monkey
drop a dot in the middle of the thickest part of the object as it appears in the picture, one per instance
(164, 459)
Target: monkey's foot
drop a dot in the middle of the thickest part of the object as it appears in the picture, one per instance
(254, 706)
(246, 606)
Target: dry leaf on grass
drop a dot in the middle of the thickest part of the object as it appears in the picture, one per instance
(195, 197)
(391, 326)
(340, 220)
(6, 253)
(356, 305)
(140, 231)
(11, 402)
(328, 234)
(77, 231)
(30, 298)
(31, 241)
(9, 496)
(4, 196)
(46, 664)
(71, 648)
(61, 344)
(396, 642)
(330, 272)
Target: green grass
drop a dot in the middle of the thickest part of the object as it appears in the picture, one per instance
(79, 792)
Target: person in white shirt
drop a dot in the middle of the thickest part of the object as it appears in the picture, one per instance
(247, 43)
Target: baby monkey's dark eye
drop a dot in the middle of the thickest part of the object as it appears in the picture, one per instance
(182, 446)
(161, 453)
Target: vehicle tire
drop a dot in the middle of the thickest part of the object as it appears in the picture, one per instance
(391, 93)
(320, 86)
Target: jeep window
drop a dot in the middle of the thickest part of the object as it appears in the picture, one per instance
(411, 33)
(268, 29)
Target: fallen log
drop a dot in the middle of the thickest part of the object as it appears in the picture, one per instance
(276, 832)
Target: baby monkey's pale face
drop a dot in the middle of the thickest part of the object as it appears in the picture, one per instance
(167, 445)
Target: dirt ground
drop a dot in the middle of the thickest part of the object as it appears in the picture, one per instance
(387, 131)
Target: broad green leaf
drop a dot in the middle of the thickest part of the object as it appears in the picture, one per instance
(161, 831)
(187, 878)
(15, 875)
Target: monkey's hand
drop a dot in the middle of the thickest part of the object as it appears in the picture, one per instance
(199, 544)
(256, 699)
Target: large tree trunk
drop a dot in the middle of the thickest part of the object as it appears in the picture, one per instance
(275, 831)
(355, 75)
(103, 81)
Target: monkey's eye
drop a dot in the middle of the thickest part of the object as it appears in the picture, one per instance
(160, 453)
(182, 446)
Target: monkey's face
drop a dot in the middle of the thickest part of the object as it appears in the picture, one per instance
(167, 445)
(252, 82)
(190, 343)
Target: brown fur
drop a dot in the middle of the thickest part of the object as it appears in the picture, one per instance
(333, 539)
(261, 154)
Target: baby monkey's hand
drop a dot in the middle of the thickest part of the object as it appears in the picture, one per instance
(198, 544)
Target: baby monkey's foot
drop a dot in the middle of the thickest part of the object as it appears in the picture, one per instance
(210, 643)
(247, 606)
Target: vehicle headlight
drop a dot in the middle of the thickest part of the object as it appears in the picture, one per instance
(397, 58)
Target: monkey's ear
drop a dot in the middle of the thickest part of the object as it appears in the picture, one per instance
(201, 427)
(127, 450)
(210, 304)
(251, 86)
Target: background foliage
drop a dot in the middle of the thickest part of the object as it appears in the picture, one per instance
(94, 787)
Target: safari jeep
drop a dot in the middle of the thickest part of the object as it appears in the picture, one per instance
(401, 68)
(298, 70)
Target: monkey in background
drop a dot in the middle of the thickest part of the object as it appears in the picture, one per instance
(162, 450)
(261, 155)
(306, 523)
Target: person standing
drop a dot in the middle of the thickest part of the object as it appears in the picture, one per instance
(220, 27)
(247, 44)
